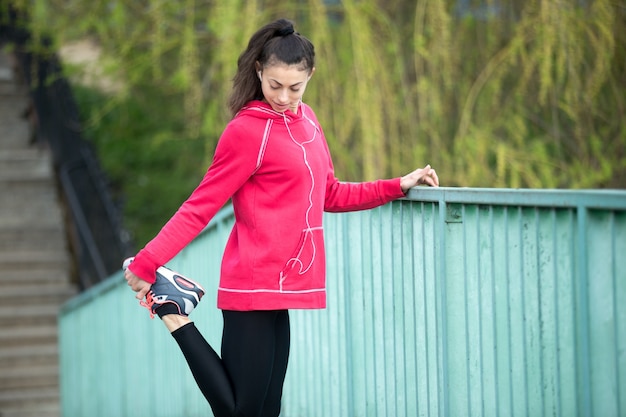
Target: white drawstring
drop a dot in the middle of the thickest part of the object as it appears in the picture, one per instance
(307, 220)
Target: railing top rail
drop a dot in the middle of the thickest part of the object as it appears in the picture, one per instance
(558, 198)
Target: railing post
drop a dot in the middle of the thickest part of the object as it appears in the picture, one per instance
(582, 317)
(441, 308)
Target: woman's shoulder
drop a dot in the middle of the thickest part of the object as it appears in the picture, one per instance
(243, 130)
(247, 119)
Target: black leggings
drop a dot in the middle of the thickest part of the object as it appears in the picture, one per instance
(248, 379)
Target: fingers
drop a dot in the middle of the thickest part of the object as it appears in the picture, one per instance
(435, 178)
(131, 279)
(429, 176)
(138, 285)
(426, 176)
(141, 294)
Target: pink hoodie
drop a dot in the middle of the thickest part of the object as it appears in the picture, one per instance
(277, 169)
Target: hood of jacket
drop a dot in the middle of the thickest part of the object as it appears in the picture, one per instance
(262, 110)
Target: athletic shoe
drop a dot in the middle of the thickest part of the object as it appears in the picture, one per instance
(172, 288)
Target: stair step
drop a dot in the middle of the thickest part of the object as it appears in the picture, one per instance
(28, 192)
(36, 188)
(35, 354)
(10, 84)
(56, 258)
(29, 197)
(44, 354)
(7, 396)
(25, 165)
(14, 316)
(24, 155)
(10, 90)
(30, 205)
(13, 295)
(29, 376)
(51, 409)
(32, 217)
(28, 335)
(14, 101)
(22, 178)
(40, 238)
(41, 399)
(34, 274)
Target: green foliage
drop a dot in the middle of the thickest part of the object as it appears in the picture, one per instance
(152, 166)
(513, 94)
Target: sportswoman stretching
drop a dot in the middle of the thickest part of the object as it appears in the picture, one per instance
(273, 161)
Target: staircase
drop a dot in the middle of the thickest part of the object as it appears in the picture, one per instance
(35, 265)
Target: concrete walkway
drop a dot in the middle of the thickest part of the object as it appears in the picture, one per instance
(35, 266)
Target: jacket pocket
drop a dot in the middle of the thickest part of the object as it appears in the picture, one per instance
(305, 259)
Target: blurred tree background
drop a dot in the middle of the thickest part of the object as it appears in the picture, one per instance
(515, 93)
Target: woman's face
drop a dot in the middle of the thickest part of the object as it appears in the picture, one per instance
(283, 85)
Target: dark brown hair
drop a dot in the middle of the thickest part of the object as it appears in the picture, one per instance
(274, 43)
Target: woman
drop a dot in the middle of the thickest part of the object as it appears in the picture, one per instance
(273, 161)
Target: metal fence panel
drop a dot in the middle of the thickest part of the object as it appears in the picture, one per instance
(452, 302)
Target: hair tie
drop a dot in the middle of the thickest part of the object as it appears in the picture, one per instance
(285, 31)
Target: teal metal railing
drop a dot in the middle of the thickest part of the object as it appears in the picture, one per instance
(453, 302)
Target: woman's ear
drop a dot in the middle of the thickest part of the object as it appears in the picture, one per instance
(311, 73)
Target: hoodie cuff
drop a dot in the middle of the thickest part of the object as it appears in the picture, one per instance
(392, 188)
(144, 267)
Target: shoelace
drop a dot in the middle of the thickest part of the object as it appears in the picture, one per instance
(148, 303)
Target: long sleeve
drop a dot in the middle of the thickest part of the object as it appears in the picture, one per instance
(347, 196)
(234, 161)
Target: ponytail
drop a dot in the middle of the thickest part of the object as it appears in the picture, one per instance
(274, 43)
